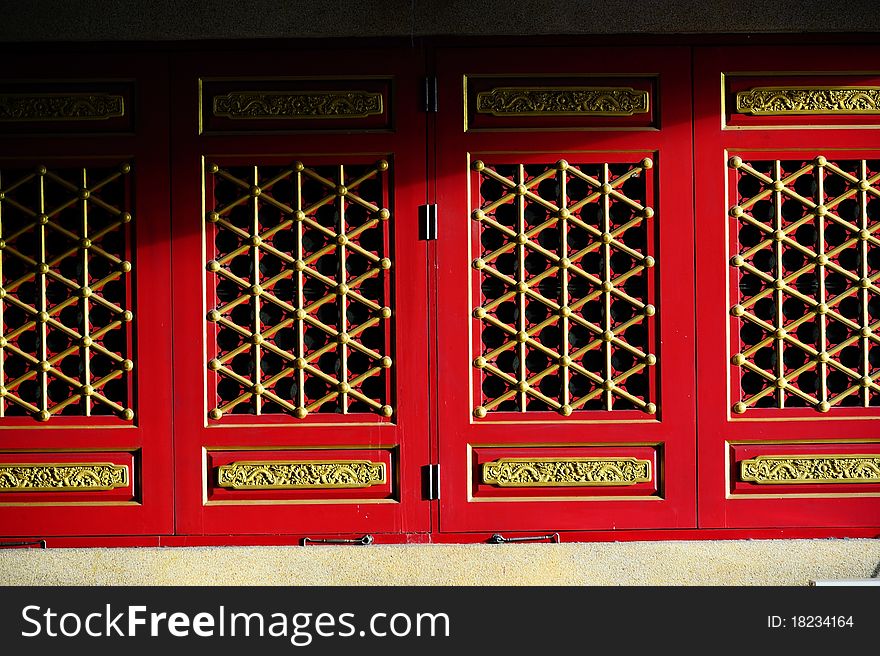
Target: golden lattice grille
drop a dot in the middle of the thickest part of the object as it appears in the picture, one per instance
(806, 268)
(564, 286)
(64, 292)
(299, 289)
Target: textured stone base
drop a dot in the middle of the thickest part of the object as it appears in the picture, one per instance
(747, 562)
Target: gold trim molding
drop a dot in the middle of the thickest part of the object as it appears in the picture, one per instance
(298, 104)
(27, 107)
(566, 472)
(301, 475)
(562, 101)
(63, 477)
(773, 470)
(791, 101)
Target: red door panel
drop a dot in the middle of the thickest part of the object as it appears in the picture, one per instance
(788, 205)
(565, 290)
(85, 357)
(300, 297)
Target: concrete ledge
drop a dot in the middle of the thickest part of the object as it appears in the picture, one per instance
(758, 562)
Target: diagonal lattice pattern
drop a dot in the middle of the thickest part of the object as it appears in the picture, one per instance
(564, 287)
(807, 312)
(299, 284)
(64, 292)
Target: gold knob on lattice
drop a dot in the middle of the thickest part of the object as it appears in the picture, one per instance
(386, 410)
(258, 389)
(344, 338)
(821, 260)
(3, 391)
(864, 235)
(385, 362)
(824, 406)
(479, 313)
(608, 385)
(480, 362)
(84, 194)
(520, 189)
(647, 163)
(3, 342)
(341, 190)
(478, 264)
(478, 165)
(125, 266)
(523, 386)
(865, 381)
(562, 165)
(779, 283)
(255, 290)
(214, 364)
(779, 185)
(650, 359)
(823, 356)
(739, 408)
(257, 339)
(298, 166)
(648, 212)
(779, 235)
(300, 363)
(607, 286)
(864, 332)
(564, 263)
(651, 408)
(822, 308)
(382, 165)
(44, 365)
(564, 361)
(2, 196)
(255, 191)
(606, 237)
(343, 388)
(565, 311)
(125, 168)
(564, 213)
(213, 217)
(87, 390)
(42, 170)
(864, 283)
(342, 289)
(342, 240)
(43, 317)
(864, 185)
(605, 188)
(385, 263)
(821, 210)
(649, 261)
(299, 265)
(385, 312)
(126, 316)
(127, 365)
(739, 359)
(521, 238)
(780, 383)
(650, 310)
(384, 214)
(301, 314)
(43, 415)
(213, 266)
(780, 333)
(215, 414)
(299, 215)
(43, 268)
(522, 336)
(608, 336)
(256, 240)
(213, 315)
(820, 161)
(736, 211)
(125, 217)
(2, 244)
(213, 168)
(522, 287)
(2, 292)
(565, 410)
(43, 219)
(86, 341)
(478, 215)
(85, 242)
(300, 413)
(86, 292)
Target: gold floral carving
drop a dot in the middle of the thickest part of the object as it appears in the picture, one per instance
(562, 101)
(557, 472)
(298, 104)
(788, 101)
(811, 469)
(26, 107)
(75, 477)
(301, 475)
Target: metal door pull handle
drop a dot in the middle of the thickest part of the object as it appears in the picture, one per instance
(497, 538)
(42, 543)
(367, 539)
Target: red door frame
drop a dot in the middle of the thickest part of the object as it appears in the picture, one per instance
(146, 506)
(670, 433)
(403, 437)
(725, 439)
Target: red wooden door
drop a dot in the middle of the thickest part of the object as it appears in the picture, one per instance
(300, 296)
(85, 357)
(788, 305)
(565, 291)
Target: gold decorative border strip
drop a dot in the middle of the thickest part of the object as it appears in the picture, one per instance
(28, 107)
(775, 470)
(298, 104)
(62, 477)
(566, 472)
(795, 101)
(301, 474)
(562, 101)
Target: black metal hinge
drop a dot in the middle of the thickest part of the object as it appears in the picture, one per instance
(428, 222)
(432, 482)
(429, 94)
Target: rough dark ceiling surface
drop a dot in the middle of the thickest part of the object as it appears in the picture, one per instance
(163, 20)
